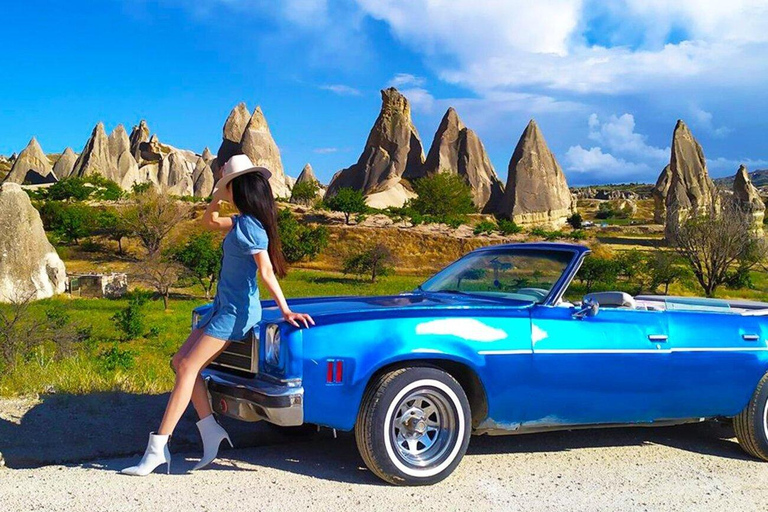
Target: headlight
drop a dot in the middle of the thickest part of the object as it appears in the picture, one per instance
(272, 344)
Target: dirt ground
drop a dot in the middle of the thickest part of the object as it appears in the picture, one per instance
(694, 467)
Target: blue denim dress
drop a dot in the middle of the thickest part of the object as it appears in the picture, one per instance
(236, 307)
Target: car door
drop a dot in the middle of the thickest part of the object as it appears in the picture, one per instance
(608, 368)
(717, 360)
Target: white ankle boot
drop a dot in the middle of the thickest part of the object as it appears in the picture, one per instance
(213, 434)
(156, 454)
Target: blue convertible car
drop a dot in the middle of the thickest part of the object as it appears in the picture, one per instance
(489, 345)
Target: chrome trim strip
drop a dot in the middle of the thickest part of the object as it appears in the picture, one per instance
(622, 351)
(504, 352)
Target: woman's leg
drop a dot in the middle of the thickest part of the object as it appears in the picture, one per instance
(196, 356)
(199, 392)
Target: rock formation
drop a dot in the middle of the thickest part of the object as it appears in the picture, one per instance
(536, 191)
(393, 148)
(29, 265)
(748, 197)
(691, 191)
(202, 178)
(96, 158)
(458, 150)
(139, 134)
(174, 175)
(308, 175)
(31, 166)
(125, 167)
(659, 193)
(65, 164)
(257, 143)
(207, 156)
(250, 135)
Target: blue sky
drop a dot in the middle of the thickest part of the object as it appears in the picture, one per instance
(605, 80)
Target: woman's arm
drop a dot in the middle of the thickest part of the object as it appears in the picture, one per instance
(268, 277)
(211, 219)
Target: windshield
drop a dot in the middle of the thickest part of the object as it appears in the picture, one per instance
(520, 274)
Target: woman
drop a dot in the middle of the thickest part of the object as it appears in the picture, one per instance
(251, 246)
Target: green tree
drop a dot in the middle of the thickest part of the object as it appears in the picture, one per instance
(201, 256)
(596, 270)
(111, 224)
(305, 192)
(375, 261)
(664, 269)
(575, 220)
(130, 320)
(72, 188)
(70, 222)
(300, 241)
(152, 216)
(442, 195)
(347, 201)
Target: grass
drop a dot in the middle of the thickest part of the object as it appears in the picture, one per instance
(84, 372)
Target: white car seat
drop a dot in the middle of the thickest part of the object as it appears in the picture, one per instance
(612, 299)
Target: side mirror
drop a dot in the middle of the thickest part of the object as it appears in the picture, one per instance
(589, 308)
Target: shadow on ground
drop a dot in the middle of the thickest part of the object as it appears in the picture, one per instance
(89, 429)
(74, 428)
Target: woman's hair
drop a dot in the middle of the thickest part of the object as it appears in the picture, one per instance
(252, 195)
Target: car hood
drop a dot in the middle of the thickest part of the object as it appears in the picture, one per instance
(412, 303)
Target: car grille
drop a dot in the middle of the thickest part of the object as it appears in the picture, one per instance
(240, 355)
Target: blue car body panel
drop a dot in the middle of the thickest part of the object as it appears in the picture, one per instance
(539, 367)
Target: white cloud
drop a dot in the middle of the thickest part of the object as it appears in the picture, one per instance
(516, 43)
(721, 166)
(341, 89)
(325, 151)
(604, 167)
(407, 80)
(619, 136)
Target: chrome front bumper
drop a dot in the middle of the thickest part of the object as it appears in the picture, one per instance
(257, 400)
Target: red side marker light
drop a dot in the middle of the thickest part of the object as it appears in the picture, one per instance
(329, 375)
(339, 371)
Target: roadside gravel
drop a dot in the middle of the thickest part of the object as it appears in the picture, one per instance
(666, 469)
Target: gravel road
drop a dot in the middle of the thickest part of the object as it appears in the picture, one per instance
(695, 467)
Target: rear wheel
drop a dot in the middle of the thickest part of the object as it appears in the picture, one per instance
(413, 427)
(751, 425)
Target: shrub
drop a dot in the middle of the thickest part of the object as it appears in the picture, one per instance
(443, 195)
(305, 192)
(201, 256)
(130, 320)
(508, 227)
(298, 240)
(71, 222)
(111, 224)
(575, 220)
(347, 201)
(596, 269)
(72, 188)
(485, 228)
(115, 358)
(375, 261)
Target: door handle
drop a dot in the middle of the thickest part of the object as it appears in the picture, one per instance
(657, 337)
(750, 337)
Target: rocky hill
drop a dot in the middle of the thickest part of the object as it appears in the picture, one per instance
(758, 177)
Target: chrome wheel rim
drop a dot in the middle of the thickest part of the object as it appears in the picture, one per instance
(423, 429)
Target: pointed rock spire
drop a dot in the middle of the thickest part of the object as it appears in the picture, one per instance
(30, 266)
(458, 150)
(202, 178)
(393, 149)
(95, 157)
(118, 142)
(31, 166)
(236, 122)
(748, 197)
(691, 190)
(307, 174)
(659, 193)
(536, 192)
(64, 165)
(207, 156)
(174, 174)
(139, 134)
(257, 143)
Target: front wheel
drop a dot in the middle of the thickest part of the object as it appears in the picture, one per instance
(413, 427)
(751, 425)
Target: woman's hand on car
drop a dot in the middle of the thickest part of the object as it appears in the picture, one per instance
(294, 319)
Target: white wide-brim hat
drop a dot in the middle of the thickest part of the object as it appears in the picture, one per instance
(237, 166)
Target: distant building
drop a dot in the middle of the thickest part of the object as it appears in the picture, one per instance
(110, 286)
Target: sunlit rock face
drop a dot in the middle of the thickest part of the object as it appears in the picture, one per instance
(31, 166)
(536, 193)
(29, 266)
(393, 149)
(748, 197)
